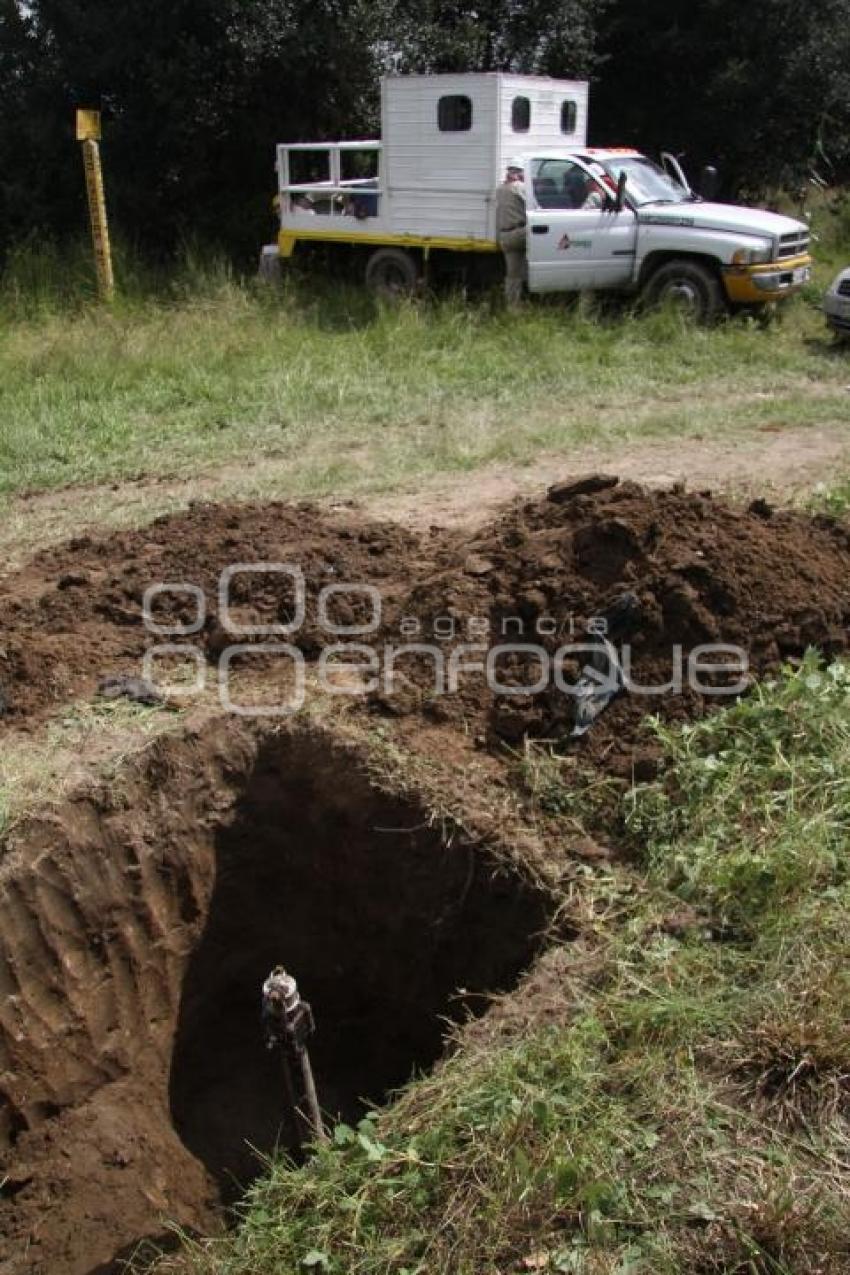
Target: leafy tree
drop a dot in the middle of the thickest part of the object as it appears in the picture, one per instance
(762, 88)
(29, 191)
(548, 37)
(195, 93)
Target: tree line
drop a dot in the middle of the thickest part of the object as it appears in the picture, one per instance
(195, 93)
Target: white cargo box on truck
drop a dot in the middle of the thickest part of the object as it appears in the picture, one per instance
(446, 139)
(430, 180)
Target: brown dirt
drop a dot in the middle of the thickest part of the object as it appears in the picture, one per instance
(74, 613)
(138, 919)
(770, 582)
(138, 923)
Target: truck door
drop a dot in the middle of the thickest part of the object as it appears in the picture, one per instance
(571, 247)
(674, 169)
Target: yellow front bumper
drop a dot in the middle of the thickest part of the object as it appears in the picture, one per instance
(769, 282)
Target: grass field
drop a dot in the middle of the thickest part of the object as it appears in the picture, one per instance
(210, 370)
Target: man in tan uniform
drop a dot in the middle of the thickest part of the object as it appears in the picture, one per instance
(510, 230)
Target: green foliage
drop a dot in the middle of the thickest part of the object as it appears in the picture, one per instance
(756, 812)
(548, 37)
(761, 89)
(833, 500)
(560, 789)
(834, 226)
(194, 95)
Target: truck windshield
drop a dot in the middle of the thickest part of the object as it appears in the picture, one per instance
(646, 183)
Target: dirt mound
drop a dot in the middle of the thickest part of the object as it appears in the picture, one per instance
(76, 611)
(673, 577)
(671, 573)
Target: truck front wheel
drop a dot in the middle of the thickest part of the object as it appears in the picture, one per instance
(690, 286)
(391, 273)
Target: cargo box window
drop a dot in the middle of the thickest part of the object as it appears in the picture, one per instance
(358, 165)
(309, 167)
(454, 114)
(569, 115)
(521, 115)
(359, 176)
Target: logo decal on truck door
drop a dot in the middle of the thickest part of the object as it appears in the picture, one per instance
(564, 243)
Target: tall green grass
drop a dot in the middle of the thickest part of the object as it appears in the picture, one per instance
(830, 223)
(200, 367)
(41, 279)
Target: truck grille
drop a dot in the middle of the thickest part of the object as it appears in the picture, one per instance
(794, 245)
(843, 288)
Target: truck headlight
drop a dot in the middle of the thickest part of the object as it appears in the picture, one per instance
(752, 256)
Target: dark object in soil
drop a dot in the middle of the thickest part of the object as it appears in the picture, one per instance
(4, 702)
(560, 493)
(288, 1023)
(622, 616)
(761, 508)
(602, 679)
(601, 682)
(137, 689)
(702, 571)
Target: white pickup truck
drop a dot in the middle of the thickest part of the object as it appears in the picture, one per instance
(423, 196)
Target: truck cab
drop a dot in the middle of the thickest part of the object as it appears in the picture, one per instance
(653, 234)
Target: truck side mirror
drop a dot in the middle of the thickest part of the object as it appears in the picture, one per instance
(708, 182)
(619, 202)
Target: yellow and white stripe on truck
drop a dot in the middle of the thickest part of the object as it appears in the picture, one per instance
(287, 239)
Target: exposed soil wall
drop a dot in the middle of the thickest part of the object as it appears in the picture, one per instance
(137, 926)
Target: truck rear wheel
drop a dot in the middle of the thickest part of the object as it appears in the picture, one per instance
(391, 273)
(690, 286)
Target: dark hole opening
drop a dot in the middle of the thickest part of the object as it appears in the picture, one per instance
(387, 929)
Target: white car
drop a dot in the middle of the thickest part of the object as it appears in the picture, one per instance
(836, 303)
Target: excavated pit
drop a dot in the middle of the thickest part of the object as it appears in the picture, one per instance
(138, 925)
(355, 892)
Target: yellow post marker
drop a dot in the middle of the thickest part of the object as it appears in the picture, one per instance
(88, 133)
